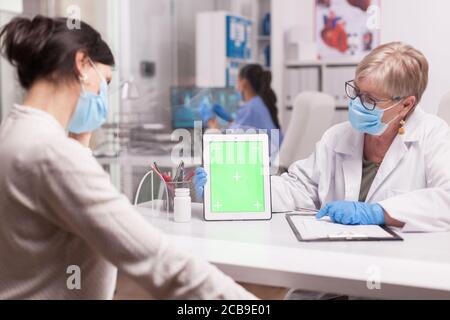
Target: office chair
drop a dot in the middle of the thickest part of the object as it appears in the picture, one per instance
(312, 115)
(444, 108)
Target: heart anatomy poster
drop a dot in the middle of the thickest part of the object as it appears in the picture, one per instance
(347, 28)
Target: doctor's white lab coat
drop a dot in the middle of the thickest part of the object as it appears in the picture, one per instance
(412, 184)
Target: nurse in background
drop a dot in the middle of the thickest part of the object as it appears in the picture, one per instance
(259, 109)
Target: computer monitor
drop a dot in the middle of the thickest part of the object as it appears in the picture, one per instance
(186, 102)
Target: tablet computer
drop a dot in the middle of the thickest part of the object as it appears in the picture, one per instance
(238, 169)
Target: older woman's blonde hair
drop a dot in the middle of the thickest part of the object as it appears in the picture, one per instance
(396, 69)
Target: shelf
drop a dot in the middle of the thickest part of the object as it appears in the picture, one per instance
(338, 108)
(319, 63)
(264, 38)
(242, 61)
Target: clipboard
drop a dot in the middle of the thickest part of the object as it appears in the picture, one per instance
(352, 233)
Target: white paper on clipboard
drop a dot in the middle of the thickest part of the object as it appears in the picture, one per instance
(312, 229)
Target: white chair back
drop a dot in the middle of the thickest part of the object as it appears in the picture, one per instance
(444, 108)
(312, 115)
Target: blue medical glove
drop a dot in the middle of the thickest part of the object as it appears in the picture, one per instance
(200, 179)
(353, 213)
(206, 113)
(222, 113)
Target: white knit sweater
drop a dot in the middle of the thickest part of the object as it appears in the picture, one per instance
(58, 209)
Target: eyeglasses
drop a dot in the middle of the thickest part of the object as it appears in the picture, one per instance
(368, 102)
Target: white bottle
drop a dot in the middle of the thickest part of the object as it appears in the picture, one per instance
(182, 206)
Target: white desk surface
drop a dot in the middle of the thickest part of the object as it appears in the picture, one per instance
(268, 253)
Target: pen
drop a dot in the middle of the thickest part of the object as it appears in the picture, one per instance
(163, 177)
(178, 175)
(183, 173)
(181, 178)
(167, 178)
(155, 166)
(189, 176)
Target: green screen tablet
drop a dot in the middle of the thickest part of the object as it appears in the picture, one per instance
(238, 177)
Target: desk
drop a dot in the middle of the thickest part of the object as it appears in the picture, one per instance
(268, 253)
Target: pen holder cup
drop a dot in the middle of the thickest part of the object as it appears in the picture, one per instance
(170, 192)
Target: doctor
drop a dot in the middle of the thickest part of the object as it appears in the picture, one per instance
(389, 165)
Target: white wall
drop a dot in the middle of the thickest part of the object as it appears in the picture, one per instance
(150, 39)
(185, 21)
(285, 15)
(425, 25)
(92, 12)
(10, 91)
(422, 23)
(15, 6)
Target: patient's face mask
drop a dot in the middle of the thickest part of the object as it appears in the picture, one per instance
(370, 122)
(92, 108)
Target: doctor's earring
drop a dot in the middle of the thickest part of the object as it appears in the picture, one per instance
(402, 129)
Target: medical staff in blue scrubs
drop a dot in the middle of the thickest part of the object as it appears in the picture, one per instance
(259, 110)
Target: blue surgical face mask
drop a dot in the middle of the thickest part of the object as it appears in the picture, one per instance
(367, 121)
(92, 109)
